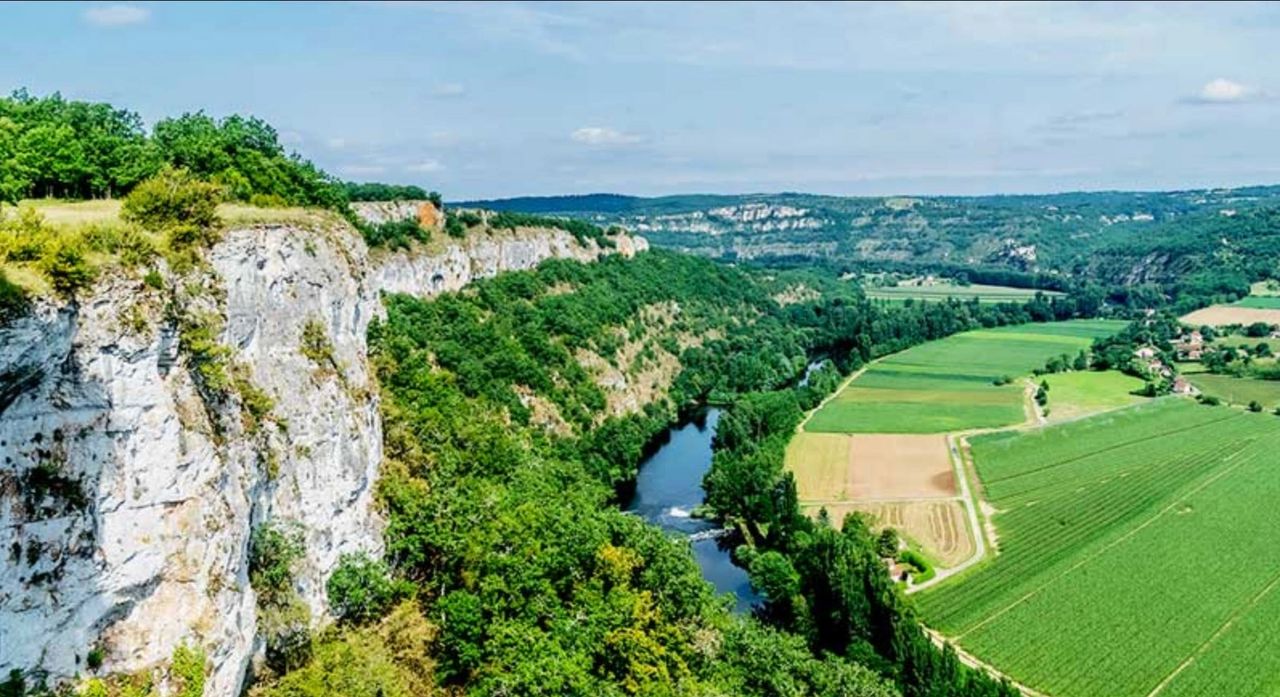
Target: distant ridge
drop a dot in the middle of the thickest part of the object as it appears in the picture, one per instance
(593, 203)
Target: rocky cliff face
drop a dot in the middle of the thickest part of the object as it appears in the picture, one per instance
(127, 499)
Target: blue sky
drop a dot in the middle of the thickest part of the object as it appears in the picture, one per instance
(481, 100)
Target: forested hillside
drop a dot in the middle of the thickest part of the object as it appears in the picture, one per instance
(504, 465)
(1187, 247)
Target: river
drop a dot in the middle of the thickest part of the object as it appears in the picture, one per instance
(668, 488)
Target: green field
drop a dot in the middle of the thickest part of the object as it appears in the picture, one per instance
(1263, 302)
(1075, 394)
(942, 291)
(1238, 390)
(1129, 543)
(946, 385)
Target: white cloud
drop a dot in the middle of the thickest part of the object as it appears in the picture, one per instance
(426, 166)
(1224, 91)
(116, 15)
(292, 138)
(602, 136)
(336, 143)
(449, 89)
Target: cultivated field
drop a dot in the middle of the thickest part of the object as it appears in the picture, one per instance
(938, 528)
(1136, 555)
(947, 385)
(1238, 390)
(1079, 393)
(942, 291)
(835, 468)
(1218, 315)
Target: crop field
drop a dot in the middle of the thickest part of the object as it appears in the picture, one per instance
(984, 293)
(1238, 390)
(869, 467)
(1136, 555)
(947, 385)
(1218, 315)
(1076, 394)
(938, 528)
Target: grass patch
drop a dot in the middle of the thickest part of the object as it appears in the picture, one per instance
(1240, 391)
(1075, 394)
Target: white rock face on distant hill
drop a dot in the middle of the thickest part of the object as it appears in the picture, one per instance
(125, 516)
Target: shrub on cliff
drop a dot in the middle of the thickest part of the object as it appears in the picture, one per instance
(13, 301)
(178, 204)
(394, 234)
(362, 589)
(274, 549)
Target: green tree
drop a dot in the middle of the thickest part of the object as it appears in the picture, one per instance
(362, 589)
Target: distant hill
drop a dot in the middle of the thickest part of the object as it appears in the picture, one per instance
(1200, 243)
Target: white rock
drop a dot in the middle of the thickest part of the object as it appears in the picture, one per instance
(157, 554)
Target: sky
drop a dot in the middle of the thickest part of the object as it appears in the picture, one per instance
(493, 100)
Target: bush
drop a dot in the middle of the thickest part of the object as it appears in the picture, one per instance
(187, 670)
(65, 265)
(887, 543)
(274, 548)
(13, 301)
(268, 201)
(1255, 407)
(394, 234)
(361, 588)
(923, 569)
(454, 227)
(177, 203)
(95, 658)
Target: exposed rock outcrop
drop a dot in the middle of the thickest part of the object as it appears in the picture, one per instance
(126, 502)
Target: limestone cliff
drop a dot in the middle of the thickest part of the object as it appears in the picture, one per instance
(127, 497)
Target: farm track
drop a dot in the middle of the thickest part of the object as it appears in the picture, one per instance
(972, 661)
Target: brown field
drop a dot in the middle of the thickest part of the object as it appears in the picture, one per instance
(1217, 315)
(938, 527)
(842, 468)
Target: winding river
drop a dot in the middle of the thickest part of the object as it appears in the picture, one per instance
(668, 488)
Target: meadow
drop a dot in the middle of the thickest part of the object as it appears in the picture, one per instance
(1079, 393)
(943, 291)
(948, 385)
(1235, 390)
(1150, 526)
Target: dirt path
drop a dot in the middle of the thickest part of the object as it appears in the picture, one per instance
(1035, 415)
(974, 662)
(852, 376)
(971, 512)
